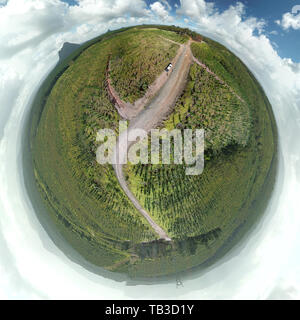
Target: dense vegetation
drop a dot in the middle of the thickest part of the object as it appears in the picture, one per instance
(85, 200)
(169, 194)
(135, 53)
(209, 104)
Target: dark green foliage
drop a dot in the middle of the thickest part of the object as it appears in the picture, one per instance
(201, 213)
(135, 53)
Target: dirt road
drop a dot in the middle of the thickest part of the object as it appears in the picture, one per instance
(128, 110)
(148, 119)
(165, 91)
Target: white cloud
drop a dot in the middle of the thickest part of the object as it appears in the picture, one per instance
(31, 33)
(166, 4)
(289, 20)
(35, 21)
(196, 9)
(101, 11)
(281, 80)
(160, 11)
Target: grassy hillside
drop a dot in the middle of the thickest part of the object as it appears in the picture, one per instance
(84, 199)
(202, 212)
(138, 58)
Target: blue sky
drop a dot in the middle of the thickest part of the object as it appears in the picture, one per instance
(286, 41)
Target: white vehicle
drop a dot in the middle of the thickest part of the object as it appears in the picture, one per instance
(169, 67)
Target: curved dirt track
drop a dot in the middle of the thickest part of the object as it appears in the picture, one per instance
(128, 110)
(216, 77)
(148, 119)
(167, 89)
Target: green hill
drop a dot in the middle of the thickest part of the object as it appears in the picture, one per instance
(205, 215)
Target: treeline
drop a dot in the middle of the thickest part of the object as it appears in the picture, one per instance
(181, 31)
(185, 247)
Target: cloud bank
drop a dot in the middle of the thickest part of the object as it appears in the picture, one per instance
(290, 20)
(31, 33)
(161, 11)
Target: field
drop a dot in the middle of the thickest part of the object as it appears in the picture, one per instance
(136, 52)
(188, 206)
(84, 199)
(240, 159)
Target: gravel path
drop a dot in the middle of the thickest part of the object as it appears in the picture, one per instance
(165, 91)
(149, 118)
(128, 110)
